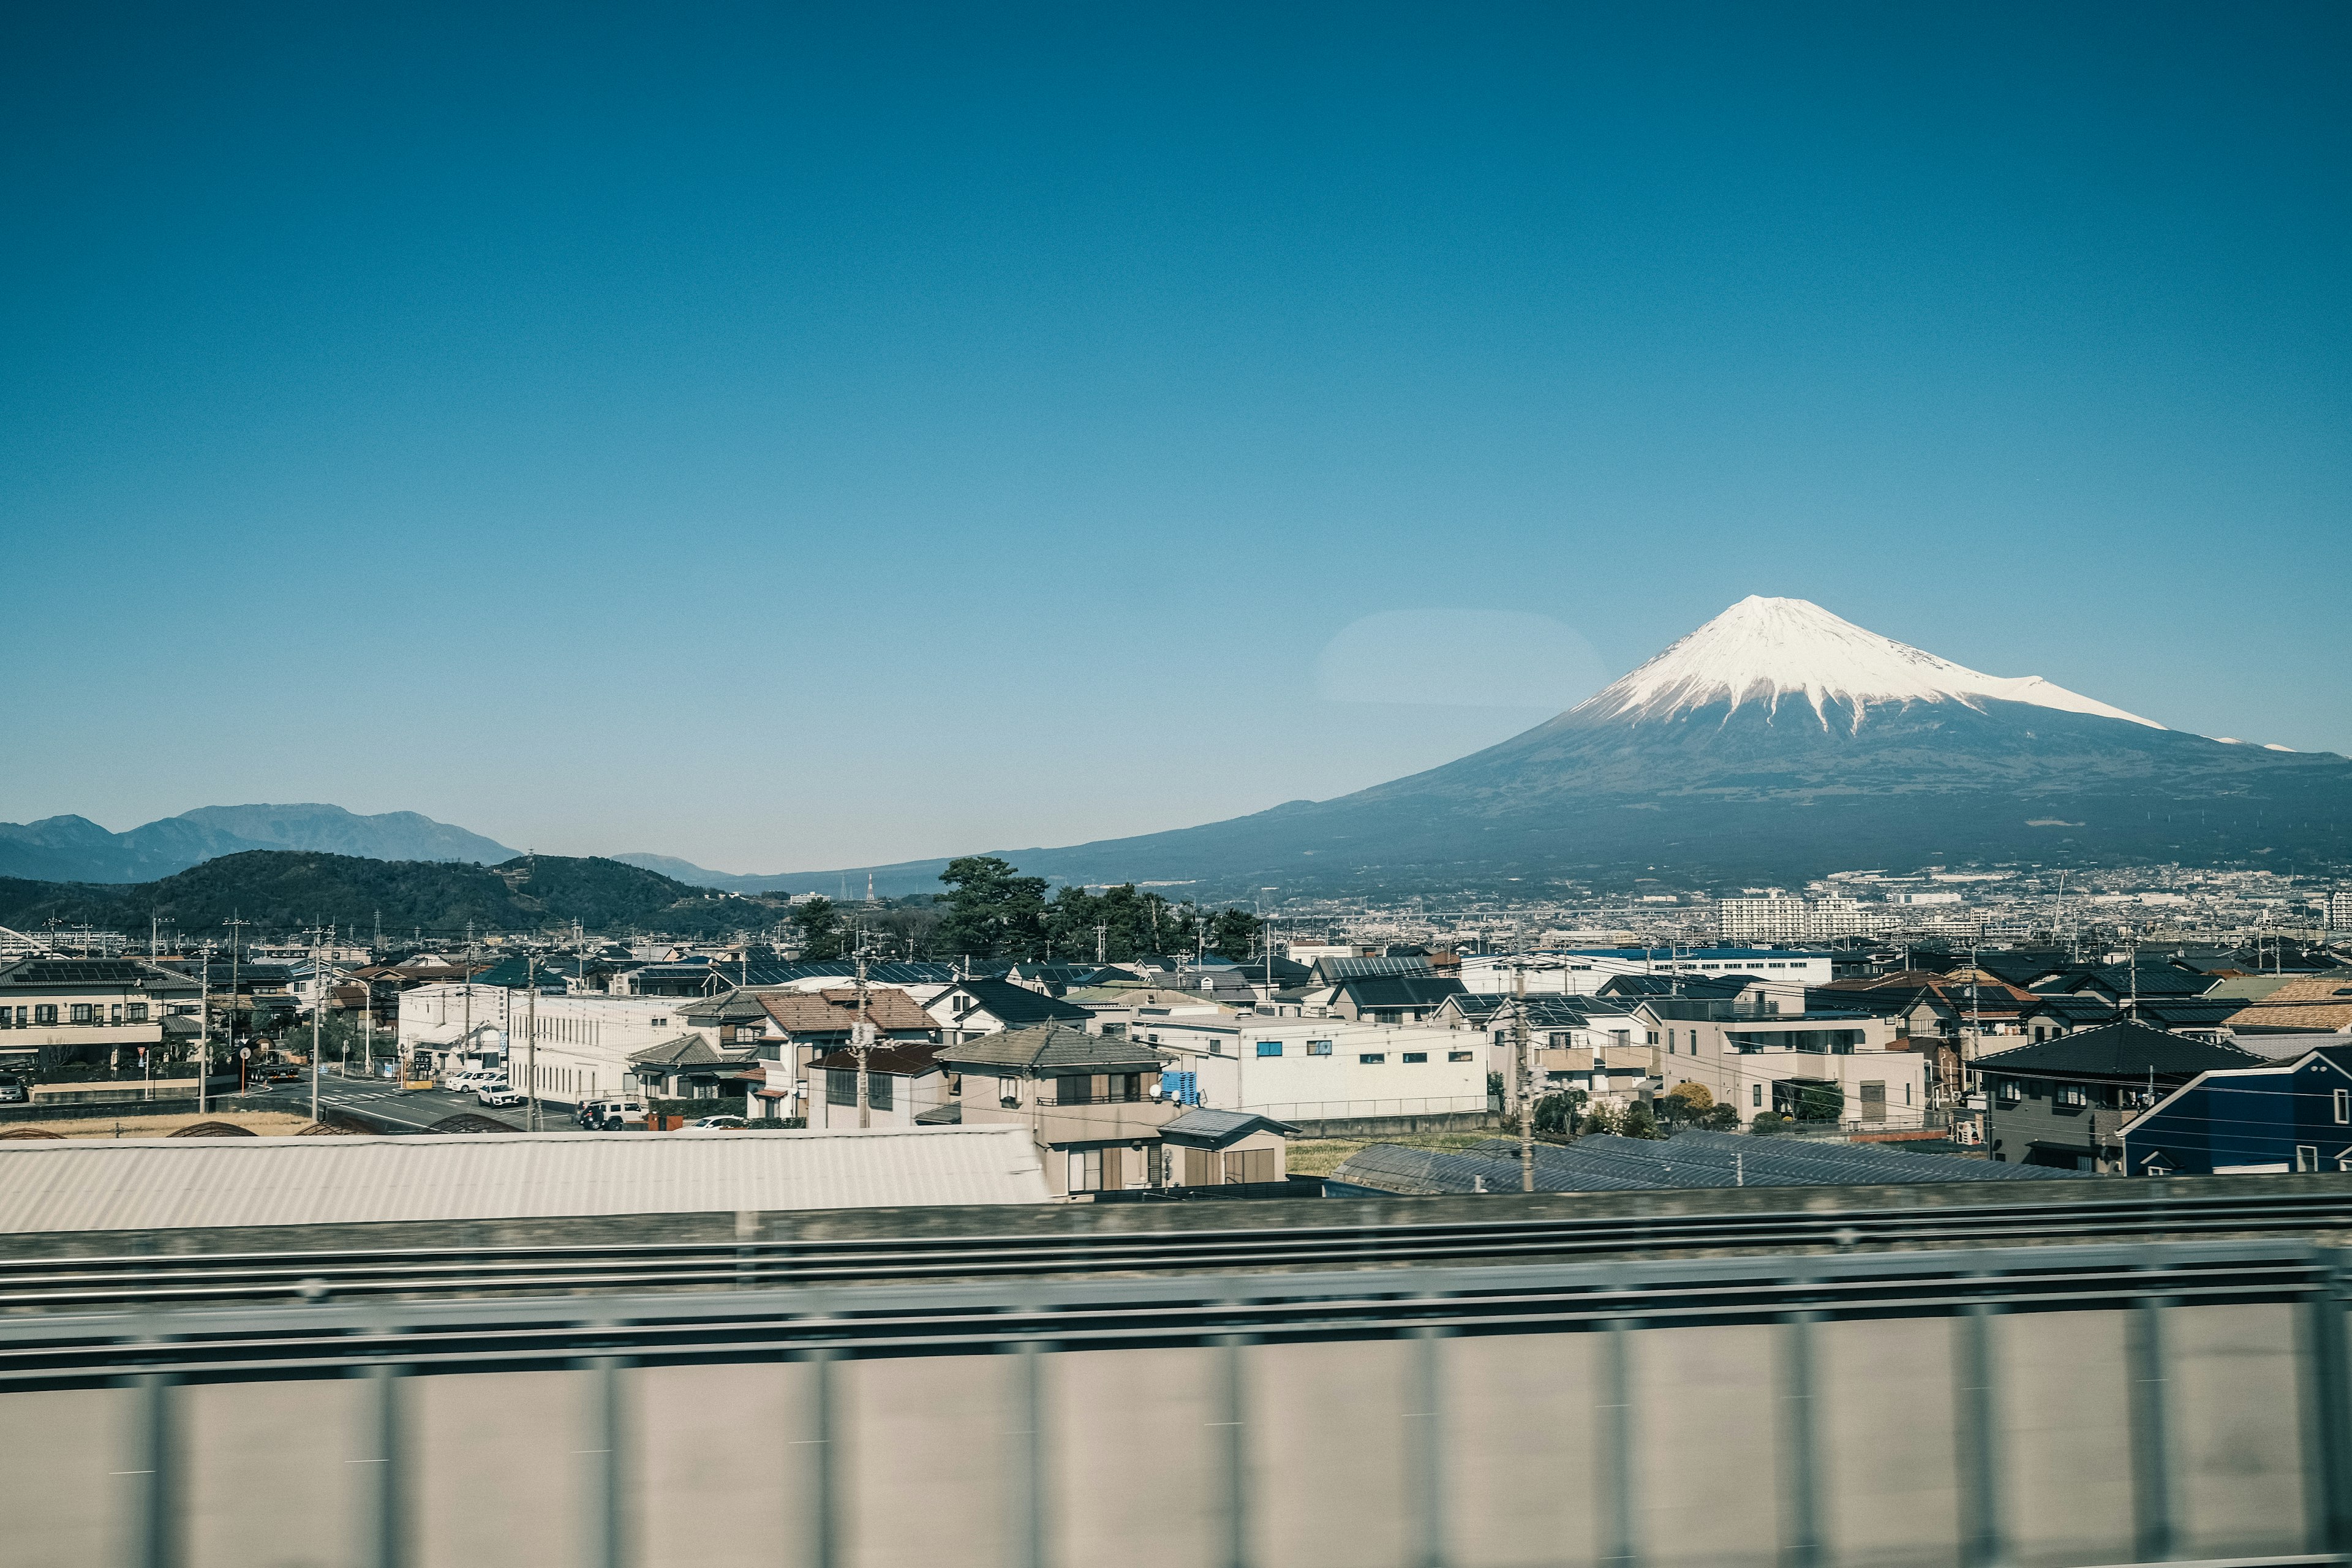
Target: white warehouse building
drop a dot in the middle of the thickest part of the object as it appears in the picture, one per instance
(584, 1042)
(1311, 1068)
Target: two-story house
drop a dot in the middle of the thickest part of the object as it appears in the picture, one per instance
(2064, 1101)
(2291, 1115)
(1092, 1102)
(966, 1009)
(53, 1011)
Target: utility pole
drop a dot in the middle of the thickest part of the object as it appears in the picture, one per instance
(317, 1019)
(466, 1039)
(236, 951)
(861, 1041)
(205, 1035)
(1102, 935)
(530, 1034)
(1525, 1077)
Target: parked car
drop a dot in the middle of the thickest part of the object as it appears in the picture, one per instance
(12, 1091)
(612, 1115)
(465, 1080)
(496, 1092)
(719, 1121)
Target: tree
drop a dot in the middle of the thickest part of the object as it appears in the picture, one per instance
(992, 912)
(1601, 1119)
(1640, 1123)
(1233, 933)
(1722, 1119)
(819, 925)
(1686, 1103)
(1559, 1112)
(1821, 1102)
(1768, 1124)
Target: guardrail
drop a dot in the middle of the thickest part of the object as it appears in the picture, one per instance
(29, 1285)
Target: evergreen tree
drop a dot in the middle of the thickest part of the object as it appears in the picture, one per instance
(991, 911)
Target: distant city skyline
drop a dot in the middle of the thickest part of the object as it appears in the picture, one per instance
(793, 442)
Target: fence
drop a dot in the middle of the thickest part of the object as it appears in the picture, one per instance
(2051, 1406)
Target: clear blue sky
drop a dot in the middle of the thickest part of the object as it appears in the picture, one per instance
(788, 438)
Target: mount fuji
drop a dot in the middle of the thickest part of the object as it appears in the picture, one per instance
(1777, 741)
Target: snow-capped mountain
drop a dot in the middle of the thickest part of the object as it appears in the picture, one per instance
(1776, 743)
(1761, 651)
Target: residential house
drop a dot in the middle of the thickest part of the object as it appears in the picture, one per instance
(2064, 1100)
(53, 1011)
(2054, 1016)
(800, 1026)
(1226, 1148)
(902, 1081)
(2313, 1004)
(1092, 1102)
(1753, 1058)
(1388, 998)
(2291, 1116)
(690, 1066)
(967, 1009)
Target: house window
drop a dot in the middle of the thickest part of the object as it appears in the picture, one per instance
(1416, 1056)
(841, 1086)
(2073, 1094)
(82, 1011)
(1076, 1089)
(2306, 1158)
(1323, 1048)
(137, 1012)
(1270, 1048)
(877, 1090)
(1654, 1037)
(1756, 1095)
(1457, 1055)
(772, 1052)
(1085, 1170)
(661, 1023)
(1373, 1057)
(1008, 1092)
(2343, 1105)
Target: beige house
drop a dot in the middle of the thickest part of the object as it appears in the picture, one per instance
(58, 1010)
(1091, 1101)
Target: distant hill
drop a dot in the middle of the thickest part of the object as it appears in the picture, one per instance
(283, 891)
(695, 876)
(76, 849)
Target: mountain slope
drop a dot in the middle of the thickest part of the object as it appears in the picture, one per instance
(76, 849)
(1776, 743)
(282, 891)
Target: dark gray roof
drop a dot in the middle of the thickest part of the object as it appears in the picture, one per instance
(1694, 986)
(1216, 1129)
(1017, 1004)
(1328, 970)
(1400, 990)
(1608, 1163)
(689, 1051)
(728, 1008)
(1050, 1049)
(2118, 1050)
(98, 971)
(1543, 1012)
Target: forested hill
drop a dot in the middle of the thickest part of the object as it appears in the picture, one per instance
(285, 891)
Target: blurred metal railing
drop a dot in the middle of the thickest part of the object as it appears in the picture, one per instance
(50, 1284)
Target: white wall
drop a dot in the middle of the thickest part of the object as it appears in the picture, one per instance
(583, 1041)
(1233, 1077)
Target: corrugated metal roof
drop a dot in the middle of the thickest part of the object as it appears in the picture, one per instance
(171, 1184)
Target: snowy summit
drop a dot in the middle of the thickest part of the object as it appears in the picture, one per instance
(1761, 650)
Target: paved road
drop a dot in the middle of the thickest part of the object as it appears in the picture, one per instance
(399, 1110)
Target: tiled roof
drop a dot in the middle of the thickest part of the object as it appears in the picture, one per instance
(1051, 1048)
(2117, 1050)
(833, 1012)
(1216, 1129)
(909, 1059)
(687, 1051)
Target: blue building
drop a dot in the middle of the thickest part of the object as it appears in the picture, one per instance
(2296, 1116)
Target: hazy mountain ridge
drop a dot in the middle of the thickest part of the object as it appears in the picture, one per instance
(76, 849)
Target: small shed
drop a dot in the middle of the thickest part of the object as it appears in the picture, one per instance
(1226, 1148)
